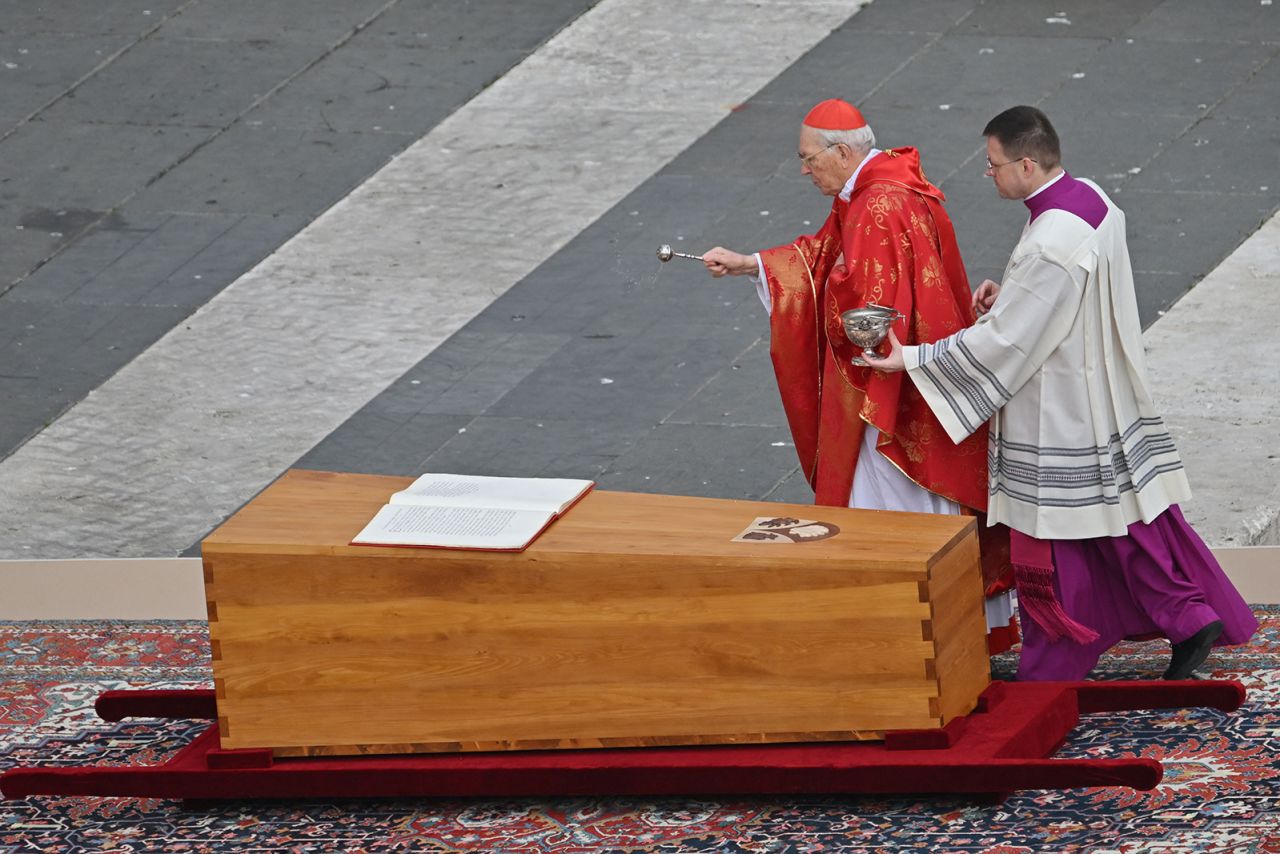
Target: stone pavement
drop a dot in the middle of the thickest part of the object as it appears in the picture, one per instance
(489, 301)
(153, 152)
(1220, 388)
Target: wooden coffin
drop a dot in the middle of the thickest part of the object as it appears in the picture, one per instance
(634, 620)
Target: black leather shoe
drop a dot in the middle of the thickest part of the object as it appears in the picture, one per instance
(1191, 653)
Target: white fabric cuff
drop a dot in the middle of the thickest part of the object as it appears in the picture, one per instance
(762, 285)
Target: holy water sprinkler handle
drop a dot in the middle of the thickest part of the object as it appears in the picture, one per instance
(666, 253)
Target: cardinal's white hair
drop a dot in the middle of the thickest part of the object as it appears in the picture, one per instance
(861, 140)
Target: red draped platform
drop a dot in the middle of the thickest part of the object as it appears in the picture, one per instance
(1006, 744)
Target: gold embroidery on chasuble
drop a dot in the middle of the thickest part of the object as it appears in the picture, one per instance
(917, 435)
(878, 207)
(830, 244)
(850, 404)
(910, 448)
(873, 274)
(924, 225)
(887, 199)
(835, 326)
(818, 248)
(904, 246)
(932, 274)
(923, 332)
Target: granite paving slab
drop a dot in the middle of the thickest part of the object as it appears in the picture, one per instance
(490, 301)
(276, 361)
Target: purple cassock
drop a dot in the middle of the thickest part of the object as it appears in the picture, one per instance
(1159, 579)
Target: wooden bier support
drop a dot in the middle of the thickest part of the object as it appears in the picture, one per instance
(634, 620)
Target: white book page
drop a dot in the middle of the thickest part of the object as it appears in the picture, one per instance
(453, 527)
(517, 493)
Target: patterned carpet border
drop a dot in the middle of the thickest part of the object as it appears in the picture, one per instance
(1219, 792)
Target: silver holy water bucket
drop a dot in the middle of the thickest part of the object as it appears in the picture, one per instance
(867, 326)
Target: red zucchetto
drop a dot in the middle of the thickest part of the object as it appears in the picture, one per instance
(834, 114)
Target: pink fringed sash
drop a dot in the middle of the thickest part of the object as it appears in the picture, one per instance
(1033, 570)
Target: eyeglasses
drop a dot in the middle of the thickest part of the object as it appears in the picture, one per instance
(991, 167)
(808, 161)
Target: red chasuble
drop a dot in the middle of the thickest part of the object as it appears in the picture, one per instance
(891, 244)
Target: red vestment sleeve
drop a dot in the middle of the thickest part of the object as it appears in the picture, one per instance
(821, 408)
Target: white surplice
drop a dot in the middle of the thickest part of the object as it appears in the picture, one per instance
(1057, 367)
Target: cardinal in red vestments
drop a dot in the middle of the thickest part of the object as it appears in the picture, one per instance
(866, 438)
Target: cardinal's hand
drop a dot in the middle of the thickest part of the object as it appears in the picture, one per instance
(725, 262)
